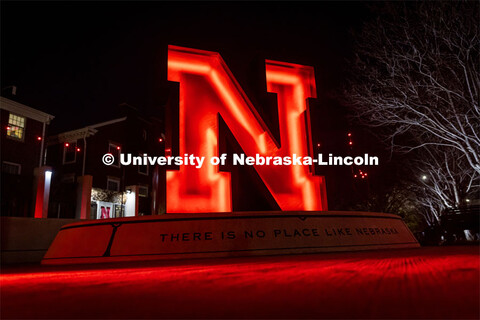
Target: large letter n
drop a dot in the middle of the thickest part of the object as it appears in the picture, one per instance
(207, 89)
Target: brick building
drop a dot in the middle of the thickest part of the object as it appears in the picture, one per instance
(22, 158)
(83, 187)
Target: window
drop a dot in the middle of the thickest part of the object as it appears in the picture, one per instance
(16, 127)
(113, 184)
(143, 191)
(118, 210)
(11, 168)
(143, 169)
(69, 152)
(114, 149)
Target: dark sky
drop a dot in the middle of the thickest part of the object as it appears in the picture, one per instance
(78, 61)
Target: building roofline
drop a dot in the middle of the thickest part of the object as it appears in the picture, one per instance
(106, 123)
(25, 111)
(85, 132)
(70, 136)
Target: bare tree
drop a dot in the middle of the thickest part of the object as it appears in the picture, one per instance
(415, 77)
(399, 199)
(444, 181)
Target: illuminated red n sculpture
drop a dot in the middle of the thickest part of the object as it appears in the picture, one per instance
(208, 89)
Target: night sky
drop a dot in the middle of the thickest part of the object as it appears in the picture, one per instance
(79, 61)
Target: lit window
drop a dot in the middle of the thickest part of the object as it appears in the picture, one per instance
(11, 168)
(113, 184)
(115, 149)
(143, 191)
(69, 152)
(118, 210)
(16, 127)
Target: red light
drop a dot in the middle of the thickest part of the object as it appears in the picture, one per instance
(350, 143)
(294, 189)
(39, 138)
(160, 140)
(355, 176)
(78, 149)
(405, 269)
(118, 148)
(349, 134)
(8, 128)
(318, 145)
(67, 144)
(365, 174)
(363, 177)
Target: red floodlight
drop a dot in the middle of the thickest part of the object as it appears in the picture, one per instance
(67, 144)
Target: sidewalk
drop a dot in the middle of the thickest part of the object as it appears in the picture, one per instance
(429, 282)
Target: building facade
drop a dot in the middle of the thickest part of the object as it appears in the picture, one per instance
(22, 157)
(84, 187)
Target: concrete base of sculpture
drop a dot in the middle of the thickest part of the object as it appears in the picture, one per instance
(183, 236)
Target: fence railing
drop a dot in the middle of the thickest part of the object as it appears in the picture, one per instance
(463, 210)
